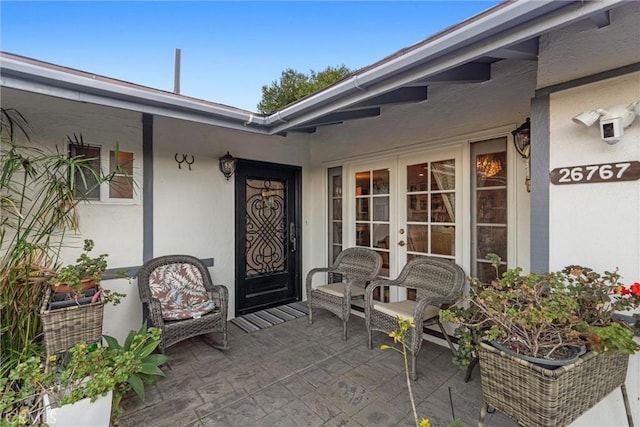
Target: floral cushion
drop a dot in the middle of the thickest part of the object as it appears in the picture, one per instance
(180, 290)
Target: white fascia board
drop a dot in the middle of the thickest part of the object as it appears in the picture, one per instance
(453, 49)
(74, 95)
(62, 84)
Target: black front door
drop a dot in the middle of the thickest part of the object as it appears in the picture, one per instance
(268, 213)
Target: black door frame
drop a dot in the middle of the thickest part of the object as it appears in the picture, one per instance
(243, 168)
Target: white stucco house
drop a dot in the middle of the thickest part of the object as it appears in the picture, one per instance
(411, 155)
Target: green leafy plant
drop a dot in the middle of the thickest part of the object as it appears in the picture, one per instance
(541, 315)
(399, 337)
(86, 267)
(38, 202)
(91, 371)
(140, 345)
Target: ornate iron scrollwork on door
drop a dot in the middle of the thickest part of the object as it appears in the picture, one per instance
(266, 227)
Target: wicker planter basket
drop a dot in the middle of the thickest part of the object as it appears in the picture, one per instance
(65, 327)
(535, 396)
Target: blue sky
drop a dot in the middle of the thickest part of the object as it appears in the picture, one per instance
(229, 49)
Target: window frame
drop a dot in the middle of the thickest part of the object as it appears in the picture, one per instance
(104, 160)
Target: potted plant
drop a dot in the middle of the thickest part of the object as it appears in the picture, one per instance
(79, 283)
(84, 274)
(71, 314)
(38, 205)
(544, 318)
(54, 392)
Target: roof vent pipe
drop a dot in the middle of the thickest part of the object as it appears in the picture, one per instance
(176, 79)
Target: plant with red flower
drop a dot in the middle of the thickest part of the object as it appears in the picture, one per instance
(541, 315)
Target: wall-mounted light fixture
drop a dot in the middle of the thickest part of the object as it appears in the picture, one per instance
(227, 165)
(522, 142)
(613, 120)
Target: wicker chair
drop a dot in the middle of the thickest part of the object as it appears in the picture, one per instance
(438, 283)
(177, 295)
(354, 267)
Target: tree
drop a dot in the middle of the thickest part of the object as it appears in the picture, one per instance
(294, 85)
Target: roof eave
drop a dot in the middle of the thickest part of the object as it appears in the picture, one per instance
(509, 24)
(32, 76)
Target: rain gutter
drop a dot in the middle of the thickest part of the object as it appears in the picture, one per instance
(48, 79)
(512, 22)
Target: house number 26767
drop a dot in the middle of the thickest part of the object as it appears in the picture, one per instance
(605, 172)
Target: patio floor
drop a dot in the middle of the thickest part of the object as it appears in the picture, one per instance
(294, 374)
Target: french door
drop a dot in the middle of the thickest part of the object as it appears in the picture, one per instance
(405, 207)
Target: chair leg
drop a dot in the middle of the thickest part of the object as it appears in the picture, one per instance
(370, 343)
(446, 337)
(414, 372)
(310, 310)
(344, 330)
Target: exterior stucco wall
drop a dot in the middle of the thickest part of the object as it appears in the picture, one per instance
(116, 229)
(583, 49)
(595, 224)
(194, 210)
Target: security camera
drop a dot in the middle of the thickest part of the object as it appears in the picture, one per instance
(611, 130)
(612, 120)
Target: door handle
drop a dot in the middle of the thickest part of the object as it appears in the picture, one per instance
(401, 243)
(292, 236)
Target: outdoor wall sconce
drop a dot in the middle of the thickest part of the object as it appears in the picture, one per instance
(227, 165)
(613, 120)
(522, 142)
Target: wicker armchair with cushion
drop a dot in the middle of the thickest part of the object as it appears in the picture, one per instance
(179, 297)
(348, 275)
(438, 284)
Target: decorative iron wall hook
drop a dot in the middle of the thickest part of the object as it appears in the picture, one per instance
(184, 160)
(193, 159)
(179, 161)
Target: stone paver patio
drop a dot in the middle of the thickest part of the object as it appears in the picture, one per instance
(294, 374)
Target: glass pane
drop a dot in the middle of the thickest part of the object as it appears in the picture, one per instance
(491, 169)
(362, 209)
(443, 240)
(86, 183)
(381, 208)
(337, 209)
(443, 175)
(363, 234)
(384, 271)
(125, 162)
(337, 186)
(381, 236)
(417, 177)
(443, 208)
(266, 227)
(417, 208)
(418, 238)
(121, 187)
(381, 181)
(336, 249)
(363, 183)
(492, 240)
(337, 232)
(492, 206)
(486, 272)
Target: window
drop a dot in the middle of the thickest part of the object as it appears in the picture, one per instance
(118, 162)
(489, 206)
(335, 212)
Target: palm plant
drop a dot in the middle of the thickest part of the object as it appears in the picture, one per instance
(38, 208)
